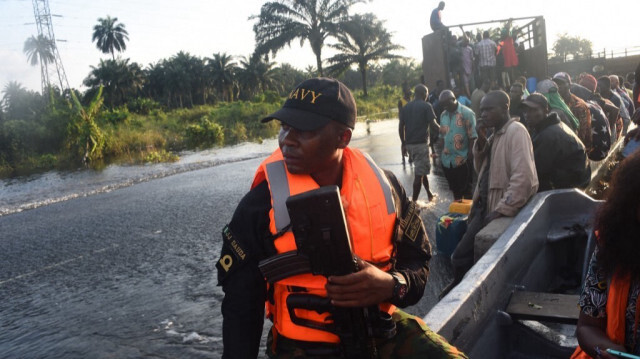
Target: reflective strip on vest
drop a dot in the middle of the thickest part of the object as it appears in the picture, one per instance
(384, 184)
(279, 192)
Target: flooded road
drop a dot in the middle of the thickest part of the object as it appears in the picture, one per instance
(121, 263)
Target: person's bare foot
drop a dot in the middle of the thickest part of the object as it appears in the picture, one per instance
(431, 196)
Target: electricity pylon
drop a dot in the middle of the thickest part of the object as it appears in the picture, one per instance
(55, 69)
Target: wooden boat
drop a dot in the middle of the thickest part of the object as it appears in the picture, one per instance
(520, 299)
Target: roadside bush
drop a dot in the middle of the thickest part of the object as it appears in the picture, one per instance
(142, 105)
(47, 161)
(158, 115)
(248, 114)
(115, 116)
(191, 115)
(160, 156)
(5, 168)
(268, 97)
(236, 133)
(127, 142)
(204, 134)
(380, 101)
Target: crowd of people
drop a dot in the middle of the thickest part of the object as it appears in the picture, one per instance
(568, 122)
(512, 145)
(474, 59)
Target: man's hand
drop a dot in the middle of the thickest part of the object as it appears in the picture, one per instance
(472, 141)
(481, 130)
(403, 148)
(369, 286)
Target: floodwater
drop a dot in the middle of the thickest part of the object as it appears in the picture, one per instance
(120, 263)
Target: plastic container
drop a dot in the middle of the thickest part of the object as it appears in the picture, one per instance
(449, 231)
(462, 207)
(532, 82)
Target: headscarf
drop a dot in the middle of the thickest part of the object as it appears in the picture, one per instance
(550, 90)
(589, 82)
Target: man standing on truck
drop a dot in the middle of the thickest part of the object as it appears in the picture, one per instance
(486, 53)
(436, 18)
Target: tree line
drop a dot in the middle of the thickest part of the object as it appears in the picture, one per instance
(82, 126)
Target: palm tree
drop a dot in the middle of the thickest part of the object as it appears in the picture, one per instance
(256, 75)
(11, 93)
(363, 39)
(19, 103)
(156, 85)
(185, 71)
(222, 70)
(401, 72)
(110, 36)
(288, 77)
(310, 71)
(39, 49)
(281, 22)
(120, 79)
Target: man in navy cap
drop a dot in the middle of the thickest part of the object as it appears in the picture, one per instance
(387, 237)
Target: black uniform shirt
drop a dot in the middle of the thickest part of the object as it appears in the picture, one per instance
(247, 240)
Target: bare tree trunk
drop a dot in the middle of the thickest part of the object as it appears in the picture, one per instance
(319, 64)
(363, 72)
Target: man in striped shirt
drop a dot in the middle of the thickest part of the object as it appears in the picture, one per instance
(485, 52)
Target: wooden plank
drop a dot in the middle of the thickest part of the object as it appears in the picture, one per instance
(559, 308)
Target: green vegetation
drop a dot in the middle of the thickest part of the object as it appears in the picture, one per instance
(571, 46)
(110, 36)
(282, 22)
(363, 40)
(135, 114)
(66, 133)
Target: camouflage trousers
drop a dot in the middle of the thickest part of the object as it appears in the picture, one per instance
(413, 339)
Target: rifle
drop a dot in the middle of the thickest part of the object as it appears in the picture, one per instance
(324, 248)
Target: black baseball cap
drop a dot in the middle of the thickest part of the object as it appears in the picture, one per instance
(315, 102)
(536, 99)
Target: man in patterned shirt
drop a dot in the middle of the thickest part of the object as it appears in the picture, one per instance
(458, 131)
(485, 52)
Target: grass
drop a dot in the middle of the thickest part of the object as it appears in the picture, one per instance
(157, 136)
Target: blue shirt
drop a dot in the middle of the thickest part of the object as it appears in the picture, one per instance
(464, 100)
(457, 128)
(434, 21)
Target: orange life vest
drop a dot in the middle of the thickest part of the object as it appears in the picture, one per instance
(370, 212)
(616, 308)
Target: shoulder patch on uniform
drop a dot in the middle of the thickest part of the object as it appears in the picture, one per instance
(411, 222)
(232, 255)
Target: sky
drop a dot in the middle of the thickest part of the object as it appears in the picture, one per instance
(159, 29)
